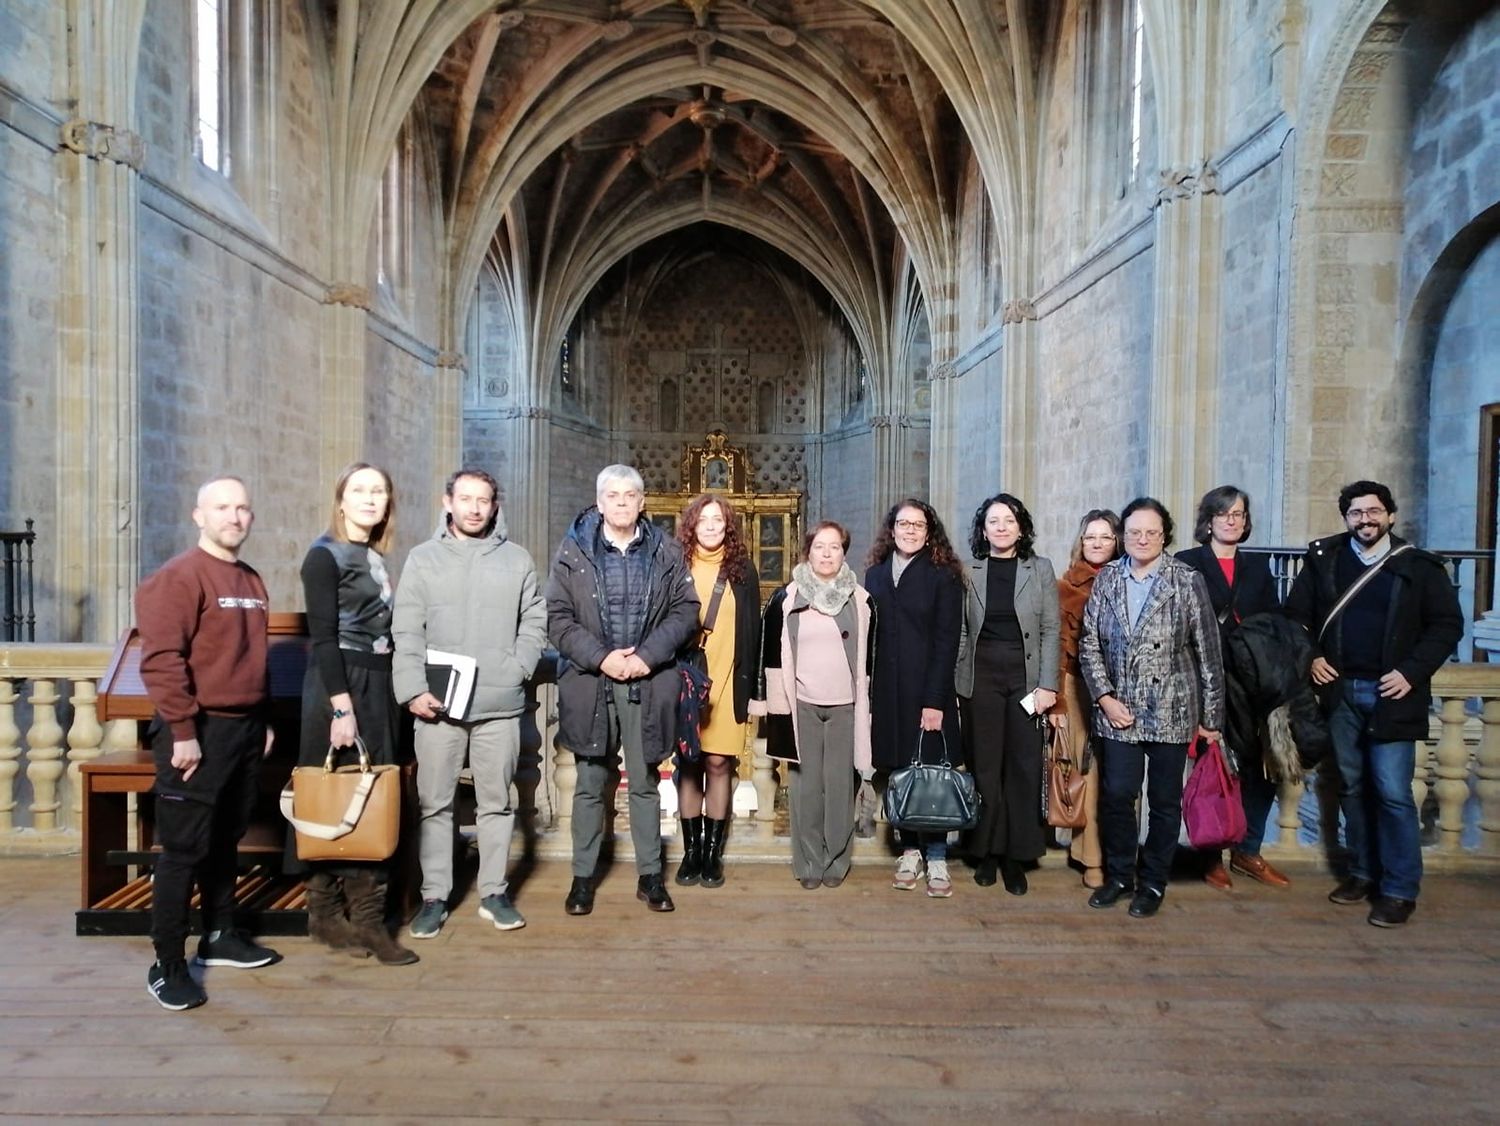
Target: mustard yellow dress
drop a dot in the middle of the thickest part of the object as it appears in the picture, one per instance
(720, 733)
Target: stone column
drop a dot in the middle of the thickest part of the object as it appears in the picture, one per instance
(1018, 422)
(346, 307)
(943, 483)
(1185, 332)
(98, 545)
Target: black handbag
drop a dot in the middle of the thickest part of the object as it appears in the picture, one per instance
(695, 683)
(931, 798)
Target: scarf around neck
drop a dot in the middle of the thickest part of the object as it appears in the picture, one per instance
(825, 597)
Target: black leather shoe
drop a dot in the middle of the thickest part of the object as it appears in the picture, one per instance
(1146, 903)
(1390, 911)
(580, 896)
(984, 874)
(651, 891)
(1110, 894)
(1013, 876)
(1352, 890)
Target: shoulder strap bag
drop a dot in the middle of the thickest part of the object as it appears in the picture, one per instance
(1358, 585)
(352, 813)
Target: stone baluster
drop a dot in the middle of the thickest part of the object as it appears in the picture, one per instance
(121, 735)
(565, 778)
(1452, 786)
(763, 778)
(10, 753)
(44, 760)
(1487, 786)
(85, 739)
(1288, 812)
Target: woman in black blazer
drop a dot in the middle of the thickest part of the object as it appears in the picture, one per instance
(1238, 586)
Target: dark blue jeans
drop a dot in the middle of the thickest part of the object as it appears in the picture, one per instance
(1381, 824)
(1257, 795)
(1123, 767)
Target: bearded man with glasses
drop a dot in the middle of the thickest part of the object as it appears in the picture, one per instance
(1384, 616)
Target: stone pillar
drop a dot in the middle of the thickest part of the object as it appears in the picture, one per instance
(344, 325)
(98, 545)
(943, 483)
(1018, 423)
(44, 759)
(85, 737)
(887, 481)
(1185, 331)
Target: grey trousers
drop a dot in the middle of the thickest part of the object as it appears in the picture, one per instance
(822, 791)
(594, 775)
(493, 746)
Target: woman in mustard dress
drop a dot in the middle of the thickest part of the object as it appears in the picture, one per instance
(729, 600)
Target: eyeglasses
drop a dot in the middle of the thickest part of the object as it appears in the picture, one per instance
(1098, 539)
(1235, 517)
(1361, 513)
(1147, 534)
(912, 525)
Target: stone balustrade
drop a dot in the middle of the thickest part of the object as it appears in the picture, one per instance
(38, 676)
(1458, 767)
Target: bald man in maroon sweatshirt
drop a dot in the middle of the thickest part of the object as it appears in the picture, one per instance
(202, 619)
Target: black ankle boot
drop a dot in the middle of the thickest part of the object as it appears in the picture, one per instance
(713, 851)
(691, 868)
(1013, 875)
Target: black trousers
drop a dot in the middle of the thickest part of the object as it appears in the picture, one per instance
(1124, 766)
(1004, 748)
(199, 823)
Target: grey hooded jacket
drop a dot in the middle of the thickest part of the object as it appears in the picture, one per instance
(475, 597)
(1167, 670)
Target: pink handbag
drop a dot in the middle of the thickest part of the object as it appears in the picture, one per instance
(1211, 804)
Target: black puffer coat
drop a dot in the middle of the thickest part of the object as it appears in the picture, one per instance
(1266, 664)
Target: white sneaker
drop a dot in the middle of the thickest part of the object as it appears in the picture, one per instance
(908, 870)
(939, 886)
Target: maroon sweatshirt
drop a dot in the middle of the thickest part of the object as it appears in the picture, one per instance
(203, 639)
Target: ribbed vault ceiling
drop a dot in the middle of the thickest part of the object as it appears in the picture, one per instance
(571, 132)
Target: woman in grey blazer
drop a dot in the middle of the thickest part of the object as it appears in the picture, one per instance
(1009, 651)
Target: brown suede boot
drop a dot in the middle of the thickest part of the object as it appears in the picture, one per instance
(326, 921)
(367, 912)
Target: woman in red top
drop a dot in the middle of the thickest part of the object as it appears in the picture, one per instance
(1238, 586)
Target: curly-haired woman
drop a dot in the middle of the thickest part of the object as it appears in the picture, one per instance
(916, 583)
(729, 599)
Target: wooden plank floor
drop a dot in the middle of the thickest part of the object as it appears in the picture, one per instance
(761, 1002)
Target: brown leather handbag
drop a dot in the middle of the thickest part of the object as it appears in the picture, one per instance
(352, 813)
(1063, 783)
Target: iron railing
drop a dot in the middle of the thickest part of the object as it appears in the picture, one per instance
(19, 622)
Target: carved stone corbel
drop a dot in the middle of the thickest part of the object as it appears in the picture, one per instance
(104, 142)
(1016, 311)
(1188, 180)
(945, 370)
(449, 359)
(347, 293)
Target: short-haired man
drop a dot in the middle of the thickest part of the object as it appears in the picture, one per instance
(470, 591)
(620, 604)
(202, 620)
(1384, 617)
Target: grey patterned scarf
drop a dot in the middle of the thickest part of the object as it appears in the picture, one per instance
(826, 597)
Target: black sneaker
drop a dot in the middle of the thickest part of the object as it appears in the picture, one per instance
(173, 987)
(1389, 911)
(1351, 891)
(231, 948)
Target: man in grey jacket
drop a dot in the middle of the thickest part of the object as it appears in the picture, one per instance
(472, 592)
(620, 605)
